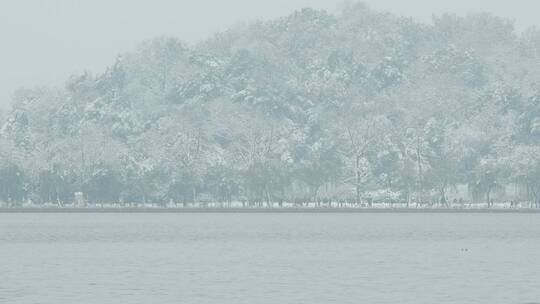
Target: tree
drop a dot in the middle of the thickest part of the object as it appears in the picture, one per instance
(489, 176)
(443, 160)
(307, 107)
(525, 168)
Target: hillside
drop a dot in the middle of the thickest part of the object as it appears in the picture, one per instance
(358, 106)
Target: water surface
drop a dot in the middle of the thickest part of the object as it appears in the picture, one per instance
(269, 258)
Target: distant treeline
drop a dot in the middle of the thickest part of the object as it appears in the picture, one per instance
(362, 106)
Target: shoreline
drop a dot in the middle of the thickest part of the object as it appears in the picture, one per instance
(266, 210)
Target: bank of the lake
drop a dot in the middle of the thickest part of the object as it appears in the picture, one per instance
(269, 210)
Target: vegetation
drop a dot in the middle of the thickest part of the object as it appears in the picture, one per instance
(313, 107)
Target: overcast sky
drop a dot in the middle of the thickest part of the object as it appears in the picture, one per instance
(42, 42)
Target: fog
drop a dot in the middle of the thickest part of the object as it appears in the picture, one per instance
(45, 41)
(256, 151)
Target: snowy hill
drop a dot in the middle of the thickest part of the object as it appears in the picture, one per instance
(310, 107)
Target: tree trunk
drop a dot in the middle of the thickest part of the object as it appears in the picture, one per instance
(267, 196)
(443, 197)
(418, 162)
(357, 179)
(488, 198)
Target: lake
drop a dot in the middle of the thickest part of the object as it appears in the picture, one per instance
(269, 258)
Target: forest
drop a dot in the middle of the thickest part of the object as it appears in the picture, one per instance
(357, 107)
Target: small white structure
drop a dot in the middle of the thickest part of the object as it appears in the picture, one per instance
(79, 200)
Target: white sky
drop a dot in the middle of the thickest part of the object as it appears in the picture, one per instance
(42, 42)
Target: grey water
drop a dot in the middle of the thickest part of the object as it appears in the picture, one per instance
(269, 258)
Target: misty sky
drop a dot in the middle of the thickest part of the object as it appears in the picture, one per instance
(45, 41)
